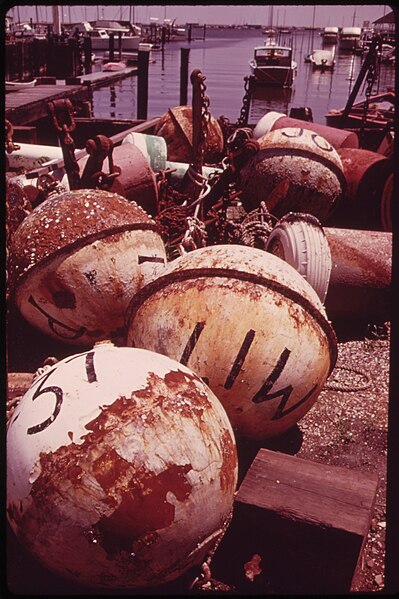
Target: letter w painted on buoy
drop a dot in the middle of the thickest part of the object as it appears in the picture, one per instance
(285, 393)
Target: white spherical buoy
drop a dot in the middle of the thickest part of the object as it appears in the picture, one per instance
(121, 468)
(249, 324)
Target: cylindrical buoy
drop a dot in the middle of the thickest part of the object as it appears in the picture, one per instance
(249, 324)
(77, 259)
(338, 138)
(295, 170)
(137, 179)
(153, 147)
(31, 156)
(360, 281)
(363, 205)
(176, 127)
(122, 468)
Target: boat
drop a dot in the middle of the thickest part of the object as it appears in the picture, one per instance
(101, 30)
(273, 65)
(349, 38)
(322, 59)
(330, 35)
(13, 86)
(114, 66)
(380, 113)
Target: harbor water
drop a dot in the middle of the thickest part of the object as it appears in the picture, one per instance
(223, 55)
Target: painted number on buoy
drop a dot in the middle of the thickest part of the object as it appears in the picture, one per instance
(58, 392)
(264, 392)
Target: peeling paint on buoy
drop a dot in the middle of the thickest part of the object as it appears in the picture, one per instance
(122, 468)
(77, 260)
(249, 324)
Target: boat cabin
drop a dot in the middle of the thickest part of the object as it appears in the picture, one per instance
(266, 56)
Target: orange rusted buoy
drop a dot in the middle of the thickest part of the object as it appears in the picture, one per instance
(77, 259)
(367, 200)
(122, 468)
(249, 324)
(176, 127)
(360, 281)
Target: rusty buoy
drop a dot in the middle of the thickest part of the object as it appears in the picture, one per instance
(77, 259)
(176, 127)
(122, 468)
(249, 324)
(360, 283)
(295, 170)
(338, 138)
(367, 200)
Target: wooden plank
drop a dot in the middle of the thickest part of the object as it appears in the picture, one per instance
(24, 107)
(303, 524)
(308, 491)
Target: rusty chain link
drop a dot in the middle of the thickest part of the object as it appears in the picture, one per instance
(371, 77)
(246, 102)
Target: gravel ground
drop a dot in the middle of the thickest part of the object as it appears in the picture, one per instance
(348, 427)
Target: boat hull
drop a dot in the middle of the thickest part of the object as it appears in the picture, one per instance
(273, 76)
(128, 43)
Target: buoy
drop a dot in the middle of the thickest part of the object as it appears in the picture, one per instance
(153, 147)
(176, 127)
(295, 170)
(367, 198)
(338, 138)
(299, 239)
(121, 470)
(360, 283)
(77, 259)
(246, 322)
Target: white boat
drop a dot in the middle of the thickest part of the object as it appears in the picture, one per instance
(273, 65)
(349, 38)
(322, 59)
(13, 86)
(330, 35)
(100, 36)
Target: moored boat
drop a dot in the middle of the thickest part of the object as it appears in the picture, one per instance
(322, 59)
(349, 38)
(273, 65)
(330, 35)
(19, 85)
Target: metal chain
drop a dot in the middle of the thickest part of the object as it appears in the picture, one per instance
(246, 102)
(206, 117)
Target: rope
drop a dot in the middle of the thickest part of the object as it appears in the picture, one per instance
(330, 386)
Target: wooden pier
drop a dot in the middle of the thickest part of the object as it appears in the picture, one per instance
(29, 106)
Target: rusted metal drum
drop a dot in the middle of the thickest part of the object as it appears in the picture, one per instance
(176, 127)
(367, 199)
(77, 259)
(249, 324)
(136, 178)
(338, 138)
(360, 281)
(122, 468)
(295, 170)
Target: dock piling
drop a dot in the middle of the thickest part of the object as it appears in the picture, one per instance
(184, 59)
(142, 83)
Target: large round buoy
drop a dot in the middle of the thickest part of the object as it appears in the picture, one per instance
(176, 127)
(249, 324)
(295, 170)
(77, 259)
(121, 469)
